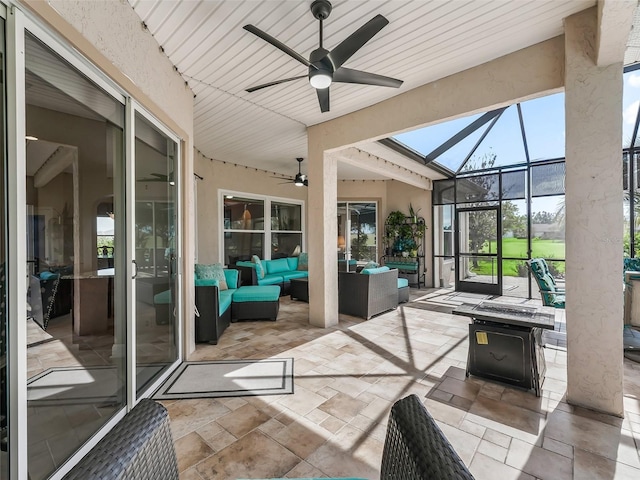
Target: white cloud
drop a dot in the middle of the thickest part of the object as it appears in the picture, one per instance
(634, 80)
(629, 114)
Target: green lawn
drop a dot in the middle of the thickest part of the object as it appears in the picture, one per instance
(517, 247)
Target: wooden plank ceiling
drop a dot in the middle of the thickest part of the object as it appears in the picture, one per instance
(424, 41)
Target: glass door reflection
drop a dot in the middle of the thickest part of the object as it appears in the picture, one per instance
(155, 253)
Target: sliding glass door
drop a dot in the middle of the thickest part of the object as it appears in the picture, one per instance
(4, 383)
(76, 362)
(156, 247)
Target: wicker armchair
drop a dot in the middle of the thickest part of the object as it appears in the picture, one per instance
(209, 323)
(367, 295)
(416, 449)
(139, 447)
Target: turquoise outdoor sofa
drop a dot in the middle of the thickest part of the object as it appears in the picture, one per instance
(276, 272)
(216, 308)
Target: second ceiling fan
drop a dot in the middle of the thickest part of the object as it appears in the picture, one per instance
(325, 67)
(300, 179)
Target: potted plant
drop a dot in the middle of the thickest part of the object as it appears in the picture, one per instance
(413, 214)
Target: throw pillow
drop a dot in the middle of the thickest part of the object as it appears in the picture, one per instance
(214, 271)
(296, 251)
(232, 277)
(372, 265)
(303, 261)
(259, 267)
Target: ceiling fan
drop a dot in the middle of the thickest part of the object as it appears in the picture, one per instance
(325, 66)
(300, 179)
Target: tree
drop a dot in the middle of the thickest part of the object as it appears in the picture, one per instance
(482, 224)
(513, 221)
(543, 218)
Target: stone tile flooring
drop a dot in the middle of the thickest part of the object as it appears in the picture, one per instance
(347, 378)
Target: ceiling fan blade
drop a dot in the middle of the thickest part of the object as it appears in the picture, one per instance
(277, 43)
(323, 98)
(348, 75)
(277, 82)
(356, 40)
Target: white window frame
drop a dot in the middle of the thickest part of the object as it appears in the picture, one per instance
(267, 231)
(347, 233)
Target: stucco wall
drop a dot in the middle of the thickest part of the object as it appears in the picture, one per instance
(390, 195)
(116, 31)
(226, 176)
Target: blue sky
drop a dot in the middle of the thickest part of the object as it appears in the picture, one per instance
(630, 102)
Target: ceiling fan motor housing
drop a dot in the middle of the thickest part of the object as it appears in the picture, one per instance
(321, 9)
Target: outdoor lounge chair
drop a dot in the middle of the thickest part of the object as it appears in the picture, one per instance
(552, 295)
(416, 449)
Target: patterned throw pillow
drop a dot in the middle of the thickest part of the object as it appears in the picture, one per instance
(259, 267)
(214, 271)
(303, 261)
(372, 265)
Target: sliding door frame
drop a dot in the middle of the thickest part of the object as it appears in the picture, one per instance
(18, 22)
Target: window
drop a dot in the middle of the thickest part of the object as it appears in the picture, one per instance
(249, 220)
(357, 231)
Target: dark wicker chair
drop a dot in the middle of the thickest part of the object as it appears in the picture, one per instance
(209, 323)
(416, 449)
(139, 447)
(367, 295)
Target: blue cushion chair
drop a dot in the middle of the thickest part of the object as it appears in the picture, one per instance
(213, 306)
(552, 295)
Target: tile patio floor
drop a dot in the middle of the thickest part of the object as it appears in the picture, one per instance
(347, 378)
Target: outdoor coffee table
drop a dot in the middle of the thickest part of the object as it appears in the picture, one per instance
(505, 342)
(299, 289)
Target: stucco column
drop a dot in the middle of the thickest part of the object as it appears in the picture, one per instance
(594, 308)
(322, 236)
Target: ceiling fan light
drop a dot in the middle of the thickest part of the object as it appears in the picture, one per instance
(299, 183)
(320, 79)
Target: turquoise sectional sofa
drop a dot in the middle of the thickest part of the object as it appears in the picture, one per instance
(276, 272)
(216, 308)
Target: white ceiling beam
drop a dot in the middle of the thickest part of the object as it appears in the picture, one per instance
(373, 163)
(57, 163)
(615, 18)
